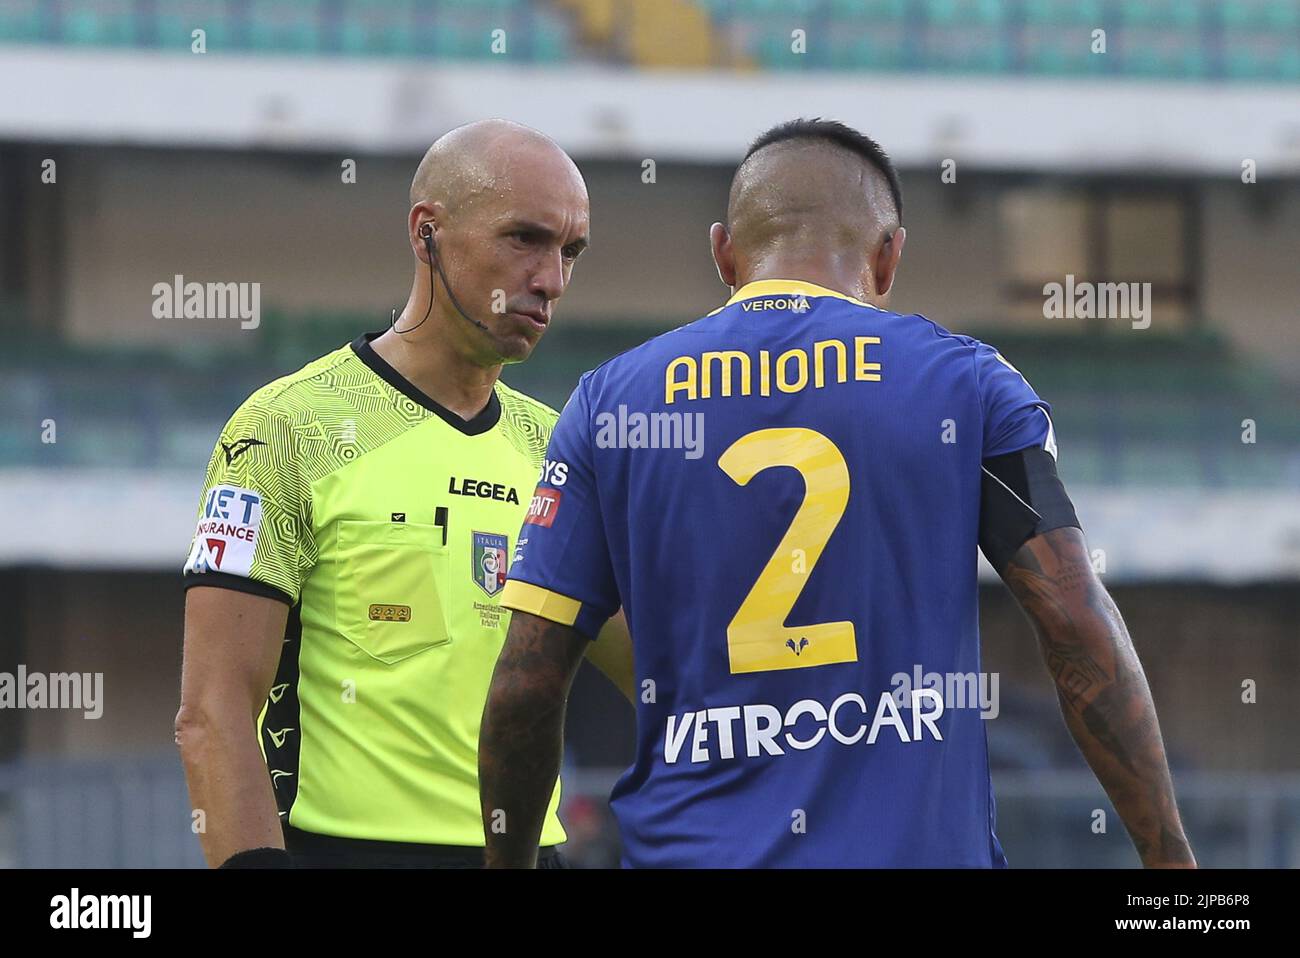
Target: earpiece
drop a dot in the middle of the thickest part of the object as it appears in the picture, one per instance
(426, 233)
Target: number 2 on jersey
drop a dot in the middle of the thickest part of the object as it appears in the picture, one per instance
(758, 640)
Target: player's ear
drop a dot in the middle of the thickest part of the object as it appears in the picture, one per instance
(887, 261)
(724, 257)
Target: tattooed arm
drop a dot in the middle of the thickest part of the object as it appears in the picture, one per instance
(1102, 689)
(522, 737)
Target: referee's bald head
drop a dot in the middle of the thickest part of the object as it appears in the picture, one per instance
(813, 189)
(481, 159)
(499, 214)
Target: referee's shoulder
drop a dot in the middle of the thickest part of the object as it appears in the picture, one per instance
(292, 399)
(521, 405)
(527, 423)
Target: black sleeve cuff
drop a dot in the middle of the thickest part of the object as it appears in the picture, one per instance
(236, 583)
(259, 858)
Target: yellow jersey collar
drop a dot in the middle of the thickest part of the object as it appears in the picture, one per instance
(775, 287)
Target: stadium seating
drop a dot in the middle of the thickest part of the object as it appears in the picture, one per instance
(1243, 40)
(20, 20)
(1162, 411)
(439, 29)
(1164, 39)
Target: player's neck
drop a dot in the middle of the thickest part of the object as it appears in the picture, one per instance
(432, 365)
(818, 272)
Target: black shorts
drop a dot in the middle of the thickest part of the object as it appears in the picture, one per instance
(310, 850)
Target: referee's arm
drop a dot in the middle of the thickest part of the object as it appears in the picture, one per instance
(232, 648)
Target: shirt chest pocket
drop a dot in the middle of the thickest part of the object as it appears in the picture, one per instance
(392, 588)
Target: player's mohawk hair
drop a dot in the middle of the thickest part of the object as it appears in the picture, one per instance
(841, 134)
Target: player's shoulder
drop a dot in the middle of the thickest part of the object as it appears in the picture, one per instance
(667, 343)
(981, 350)
(941, 335)
(986, 358)
(964, 348)
(994, 375)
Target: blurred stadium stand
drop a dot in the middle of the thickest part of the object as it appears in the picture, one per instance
(439, 30)
(1249, 40)
(1159, 410)
(1125, 167)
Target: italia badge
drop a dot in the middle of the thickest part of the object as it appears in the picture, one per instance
(489, 561)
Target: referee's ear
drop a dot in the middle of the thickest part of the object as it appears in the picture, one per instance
(886, 266)
(724, 257)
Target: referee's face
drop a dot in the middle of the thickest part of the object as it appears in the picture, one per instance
(510, 253)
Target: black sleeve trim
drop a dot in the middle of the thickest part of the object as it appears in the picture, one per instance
(259, 858)
(1021, 496)
(236, 583)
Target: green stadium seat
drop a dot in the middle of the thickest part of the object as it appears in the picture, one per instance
(774, 52)
(551, 43)
(296, 27)
(1064, 12)
(379, 28)
(1260, 14)
(1240, 65)
(448, 41)
(488, 6)
(994, 58)
(389, 39)
(1250, 61)
(1160, 13)
(388, 9)
(967, 12)
(1289, 64)
(1161, 53)
(872, 10)
(98, 24)
(1049, 61)
(1057, 59)
(1149, 38)
(768, 8)
(873, 50)
(20, 21)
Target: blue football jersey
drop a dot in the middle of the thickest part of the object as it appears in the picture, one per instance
(783, 496)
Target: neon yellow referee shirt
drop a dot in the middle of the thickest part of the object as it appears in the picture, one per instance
(386, 523)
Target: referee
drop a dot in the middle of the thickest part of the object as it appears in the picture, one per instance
(358, 517)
